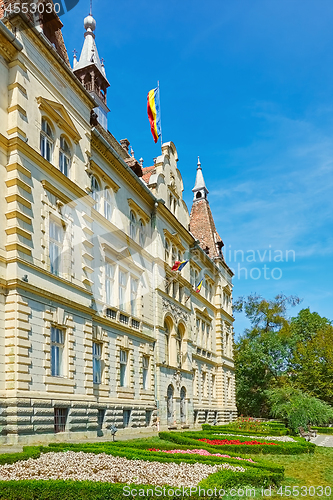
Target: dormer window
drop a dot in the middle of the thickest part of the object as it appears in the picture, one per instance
(64, 157)
(46, 141)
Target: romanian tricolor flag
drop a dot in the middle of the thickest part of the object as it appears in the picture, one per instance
(178, 266)
(154, 112)
(199, 285)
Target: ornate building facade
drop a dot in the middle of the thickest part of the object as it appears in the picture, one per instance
(95, 328)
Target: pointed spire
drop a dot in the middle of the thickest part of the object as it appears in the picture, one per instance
(91, 71)
(200, 191)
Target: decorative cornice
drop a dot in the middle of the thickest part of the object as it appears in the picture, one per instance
(59, 114)
(177, 312)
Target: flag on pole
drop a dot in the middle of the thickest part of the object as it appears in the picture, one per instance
(178, 266)
(154, 112)
(199, 285)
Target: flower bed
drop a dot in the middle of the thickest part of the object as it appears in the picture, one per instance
(191, 438)
(221, 442)
(203, 453)
(80, 466)
(228, 429)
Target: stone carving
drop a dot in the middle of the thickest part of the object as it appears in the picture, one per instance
(178, 379)
(175, 310)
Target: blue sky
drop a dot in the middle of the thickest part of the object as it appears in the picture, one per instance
(248, 86)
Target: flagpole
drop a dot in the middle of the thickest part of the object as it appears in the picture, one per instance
(159, 97)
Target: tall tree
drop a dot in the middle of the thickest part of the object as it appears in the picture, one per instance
(262, 355)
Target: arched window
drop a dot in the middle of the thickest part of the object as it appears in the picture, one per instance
(183, 405)
(95, 191)
(167, 341)
(174, 255)
(132, 226)
(64, 157)
(46, 141)
(167, 251)
(141, 233)
(179, 342)
(107, 204)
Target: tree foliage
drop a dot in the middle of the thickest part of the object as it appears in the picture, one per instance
(297, 408)
(281, 354)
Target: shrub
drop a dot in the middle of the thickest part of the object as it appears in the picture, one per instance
(272, 431)
(298, 408)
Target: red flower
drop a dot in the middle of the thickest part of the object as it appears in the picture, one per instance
(221, 442)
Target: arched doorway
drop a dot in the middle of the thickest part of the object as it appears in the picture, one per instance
(183, 405)
(170, 405)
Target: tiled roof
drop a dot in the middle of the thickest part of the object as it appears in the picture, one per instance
(147, 172)
(203, 228)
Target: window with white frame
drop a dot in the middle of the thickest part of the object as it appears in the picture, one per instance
(97, 363)
(142, 233)
(122, 289)
(109, 283)
(64, 157)
(46, 140)
(56, 239)
(195, 382)
(166, 342)
(197, 333)
(203, 336)
(204, 384)
(107, 204)
(123, 367)
(134, 296)
(209, 339)
(133, 227)
(167, 250)
(57, 352)
(95, 192)
(213, 386)
(145, 372)
(173, 254)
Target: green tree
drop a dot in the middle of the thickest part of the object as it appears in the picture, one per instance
(298, 408)
(313, 364)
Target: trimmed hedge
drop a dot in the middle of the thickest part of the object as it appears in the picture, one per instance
(28, 452)
(323, 430)
(274, 431)
(190, 438)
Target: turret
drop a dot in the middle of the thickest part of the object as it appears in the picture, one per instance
(91, 71)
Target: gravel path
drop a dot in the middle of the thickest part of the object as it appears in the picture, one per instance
(107, 468)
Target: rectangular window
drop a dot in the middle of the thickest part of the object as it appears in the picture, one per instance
(100, 418)
(122, 289)
(97, 363)
(181, 294)
(134, 296)
(145, 372)
(57, 352)
(60, 419)
(209, 343)
(195, 383)
(204, 384)
(148, 417)
(203, 339)
(55, 246)
(123, 368)
(197, 331)
(126, 417)
(109, 283)
(213, 386)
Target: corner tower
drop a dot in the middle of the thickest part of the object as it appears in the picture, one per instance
(202, 224)
(91, 72)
